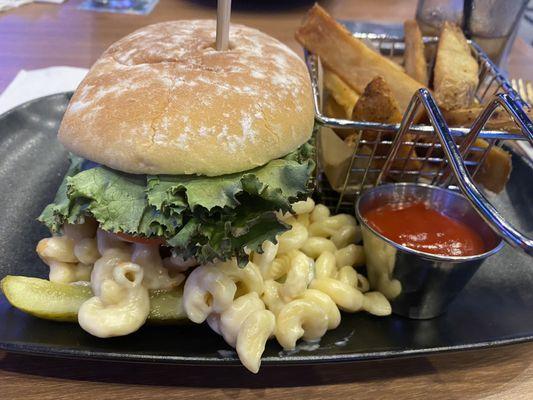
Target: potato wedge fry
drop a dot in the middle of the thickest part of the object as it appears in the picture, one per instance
(350, 58)
(333, 109)
(456, 70)
(343, 94)
(378, 104)
(500, 120)
(414, 59)
(496, 168)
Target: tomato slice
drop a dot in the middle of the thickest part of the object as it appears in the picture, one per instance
(141, 240)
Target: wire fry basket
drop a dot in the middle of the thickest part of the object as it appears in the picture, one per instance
(431, 153)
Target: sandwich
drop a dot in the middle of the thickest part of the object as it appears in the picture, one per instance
(188, 153)
(175, 142)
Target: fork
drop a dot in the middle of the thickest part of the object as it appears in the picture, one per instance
(524, 89)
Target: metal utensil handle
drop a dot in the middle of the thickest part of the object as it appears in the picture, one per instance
(485, 209)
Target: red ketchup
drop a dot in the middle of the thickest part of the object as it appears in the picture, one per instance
(421, 228)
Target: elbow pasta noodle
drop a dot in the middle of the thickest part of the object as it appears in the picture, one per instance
(340, 220)
(83, 272)
(246, 325)
(235, 315)
(304, 219)
(264, 260)
(57, 248)
(86, 251)
(122, 306)
(278, 268)
(346, 297)
(156, 276)
(287, 217)
(329, 226)
(207, 290)
(247, 279)
(346, 235)
(326, 304)
(391, 288)
(352, 255)
(213, 320)
(61, 272)
(380, 264)
(293, 289)
(377, 304)
(325, 265)
(293, 239)
(103, 268)
(309, 316)
(300, 318)
(271, 296)
(314, 246)
(298, 276)
(348, 275)
(320, 229)
(303, 207)
(319, 213)
(252, 338)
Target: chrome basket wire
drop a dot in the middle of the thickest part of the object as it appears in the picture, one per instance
(448, 158)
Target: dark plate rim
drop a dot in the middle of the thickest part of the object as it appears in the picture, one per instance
(73, 353)
(37, 99)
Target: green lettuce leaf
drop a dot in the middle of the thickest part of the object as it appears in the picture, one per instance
(279, 181)
(56, 213)
(206, 217)
(228, 233)
(115, 199)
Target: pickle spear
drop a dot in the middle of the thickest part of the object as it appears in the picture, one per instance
(61, 302)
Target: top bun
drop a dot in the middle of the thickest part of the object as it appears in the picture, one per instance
(162, 100)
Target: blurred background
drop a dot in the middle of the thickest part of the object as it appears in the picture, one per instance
(42, 33)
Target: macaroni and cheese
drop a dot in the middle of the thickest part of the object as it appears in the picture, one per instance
(294, 289)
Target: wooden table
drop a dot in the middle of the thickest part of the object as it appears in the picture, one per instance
(41, 35)
(495, 374)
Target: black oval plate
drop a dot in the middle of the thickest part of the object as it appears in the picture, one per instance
(494, 309)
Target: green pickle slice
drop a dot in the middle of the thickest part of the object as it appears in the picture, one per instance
(61, 302)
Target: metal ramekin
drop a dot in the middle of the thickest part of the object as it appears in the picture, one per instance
(420, 285)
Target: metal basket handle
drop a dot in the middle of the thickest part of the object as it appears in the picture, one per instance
(453, 155)
(515, 111)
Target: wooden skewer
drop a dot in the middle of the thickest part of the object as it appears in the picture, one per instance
(223, 17)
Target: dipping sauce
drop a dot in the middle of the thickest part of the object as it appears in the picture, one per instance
(421, 228)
